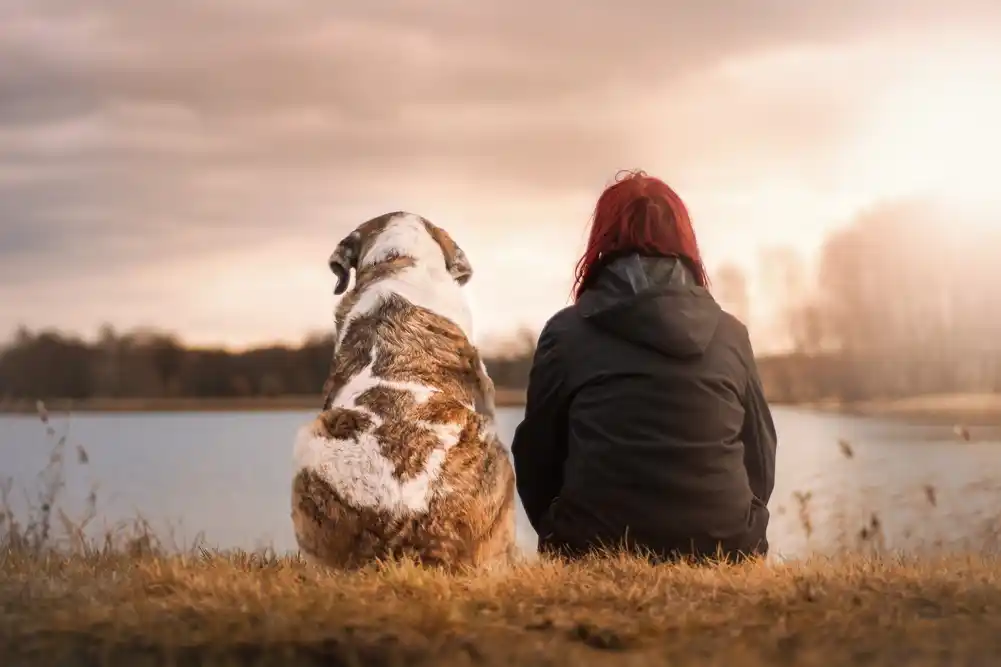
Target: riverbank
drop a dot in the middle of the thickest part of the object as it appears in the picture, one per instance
(953, 409)
(220, 609)
(966, 409)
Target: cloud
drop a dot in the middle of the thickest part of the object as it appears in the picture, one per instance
(134, 134)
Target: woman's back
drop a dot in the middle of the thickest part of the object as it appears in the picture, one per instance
(645, 420)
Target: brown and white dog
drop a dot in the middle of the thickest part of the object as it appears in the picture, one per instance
(404, 460)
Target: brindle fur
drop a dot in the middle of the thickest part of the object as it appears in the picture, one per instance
(411, 345)
(469, 525)
(471, 515)
(365, 277)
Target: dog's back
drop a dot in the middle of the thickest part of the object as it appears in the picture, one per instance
(401, 461)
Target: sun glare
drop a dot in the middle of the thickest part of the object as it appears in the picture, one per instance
(937, 134)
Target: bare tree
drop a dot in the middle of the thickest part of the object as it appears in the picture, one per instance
(730, 290)
(897, 299)
(784, 281)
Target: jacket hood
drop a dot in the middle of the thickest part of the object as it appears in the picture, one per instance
(654, 302)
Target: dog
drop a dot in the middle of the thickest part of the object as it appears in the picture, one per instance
(404, 460)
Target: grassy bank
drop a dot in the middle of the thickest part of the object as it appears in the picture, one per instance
(968, 409)
(215, 609)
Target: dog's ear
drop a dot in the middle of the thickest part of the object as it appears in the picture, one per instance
(343, 259)
(455, 259)
(459, 267)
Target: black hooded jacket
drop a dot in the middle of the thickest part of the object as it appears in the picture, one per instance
(646, 424)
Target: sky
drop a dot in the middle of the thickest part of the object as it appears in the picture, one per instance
(190, 166)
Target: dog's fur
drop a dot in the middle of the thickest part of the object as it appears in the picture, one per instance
(404, 459)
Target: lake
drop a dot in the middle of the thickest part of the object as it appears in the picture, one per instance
(227, 475)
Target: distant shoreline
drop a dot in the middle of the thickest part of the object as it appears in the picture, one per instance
(505, 398)
(953, 409)
(968, 409)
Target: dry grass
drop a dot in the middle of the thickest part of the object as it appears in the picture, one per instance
(218, 609)
(129, 600)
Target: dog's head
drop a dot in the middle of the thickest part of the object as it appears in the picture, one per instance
(394, 235)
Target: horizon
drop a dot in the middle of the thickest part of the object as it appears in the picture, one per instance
(189, 168)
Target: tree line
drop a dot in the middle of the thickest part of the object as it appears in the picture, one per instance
(151, 364)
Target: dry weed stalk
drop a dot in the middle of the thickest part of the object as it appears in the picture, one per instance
(38, 532)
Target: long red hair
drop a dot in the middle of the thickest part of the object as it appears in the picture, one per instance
(639, 213)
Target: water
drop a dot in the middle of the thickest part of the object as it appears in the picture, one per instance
(227, 476)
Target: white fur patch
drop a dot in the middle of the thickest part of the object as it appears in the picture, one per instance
(426, 285)
(358, 470)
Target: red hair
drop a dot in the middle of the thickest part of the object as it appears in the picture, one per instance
(641, 214)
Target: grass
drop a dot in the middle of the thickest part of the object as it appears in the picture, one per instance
(132, 600)
(230, 608)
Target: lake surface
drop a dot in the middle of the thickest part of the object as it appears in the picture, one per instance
(228, 475)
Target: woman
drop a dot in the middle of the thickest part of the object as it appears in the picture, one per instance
(646, 426)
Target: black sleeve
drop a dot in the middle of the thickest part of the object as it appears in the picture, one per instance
(760, 439)
(539, 447)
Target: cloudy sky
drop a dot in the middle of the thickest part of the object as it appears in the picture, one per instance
(190, 165)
